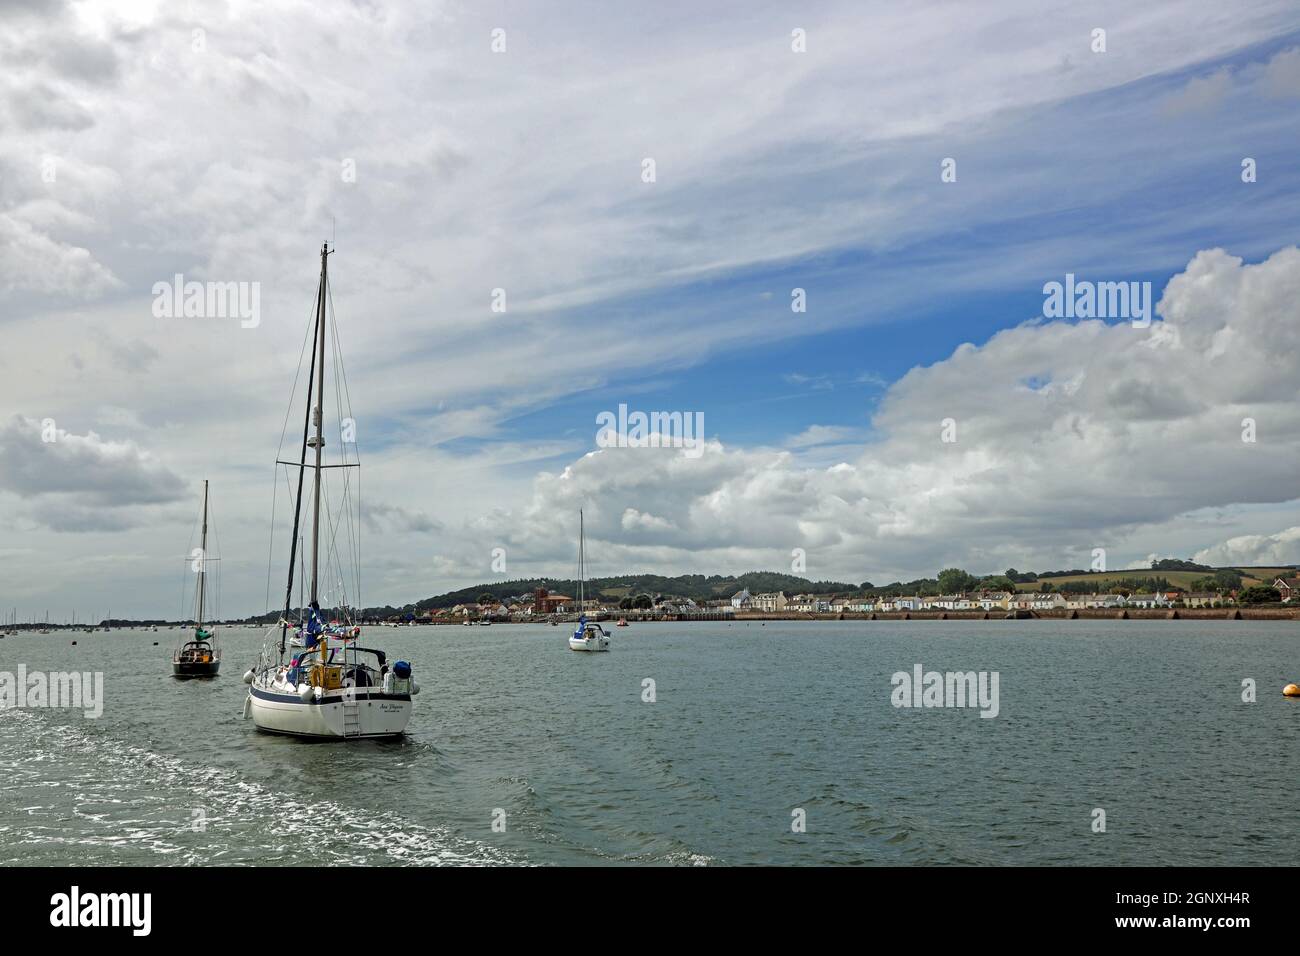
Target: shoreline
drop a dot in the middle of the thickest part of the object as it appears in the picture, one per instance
(1087, 614)
(1093, 614)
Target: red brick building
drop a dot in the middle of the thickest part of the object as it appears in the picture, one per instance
(546, 603)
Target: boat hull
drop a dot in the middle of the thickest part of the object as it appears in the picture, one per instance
(588, 644)
(373, 714)
(186, 670)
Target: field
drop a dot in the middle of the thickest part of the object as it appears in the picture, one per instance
(1176, 579)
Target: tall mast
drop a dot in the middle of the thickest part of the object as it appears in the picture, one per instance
(319, 416)
(318, 441)
(203, 556)
(582, 562)
(294, 558)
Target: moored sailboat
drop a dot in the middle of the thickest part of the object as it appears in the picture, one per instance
(200, 656)
(588, 636)
(331, 688)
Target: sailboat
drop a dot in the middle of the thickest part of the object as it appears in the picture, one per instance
(200, 656)
(331, 688)
(589, 636)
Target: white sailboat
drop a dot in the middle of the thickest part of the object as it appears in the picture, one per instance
(332, 688)
(589, 636)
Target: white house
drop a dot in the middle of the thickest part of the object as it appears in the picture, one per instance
(1147, 600)
(742, 600)
(771, 601)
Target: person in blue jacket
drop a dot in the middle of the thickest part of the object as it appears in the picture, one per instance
(314, 625)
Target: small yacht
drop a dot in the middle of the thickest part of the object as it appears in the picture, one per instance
(589, 636)
(200, 656)
(331, 688)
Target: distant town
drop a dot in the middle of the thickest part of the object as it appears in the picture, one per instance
(543, 604)
(1170, 585)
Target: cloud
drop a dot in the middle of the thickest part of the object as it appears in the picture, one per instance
(1202, 94)
(383, 518)
(133, 356)
(42, 107)
(82, 482)
(815, 435)
(1130, 429)
(1282, 74)
(814, 382)
(30, 260)
(1254, 550)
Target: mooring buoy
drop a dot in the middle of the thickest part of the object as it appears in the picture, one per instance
(1291, 690)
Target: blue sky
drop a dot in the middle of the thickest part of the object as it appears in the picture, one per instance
(1154, 187)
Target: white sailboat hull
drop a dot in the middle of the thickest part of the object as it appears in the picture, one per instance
(331, 715)
(590, 643)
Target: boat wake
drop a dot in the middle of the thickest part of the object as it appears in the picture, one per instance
(134, 806)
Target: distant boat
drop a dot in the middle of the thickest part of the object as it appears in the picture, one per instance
(589, 636)
(622, 622)
(199, 657)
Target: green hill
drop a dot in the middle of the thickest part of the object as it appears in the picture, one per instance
(1250, 577)
(697, 587)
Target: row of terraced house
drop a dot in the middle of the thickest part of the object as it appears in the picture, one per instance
(778, 602)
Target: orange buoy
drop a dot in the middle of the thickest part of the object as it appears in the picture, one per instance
(1291, 690)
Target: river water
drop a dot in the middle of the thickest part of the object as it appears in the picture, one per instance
(755, 731)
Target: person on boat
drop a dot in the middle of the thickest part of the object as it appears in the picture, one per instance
(314, 625)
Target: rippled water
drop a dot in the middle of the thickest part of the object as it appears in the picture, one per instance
(1143, 719)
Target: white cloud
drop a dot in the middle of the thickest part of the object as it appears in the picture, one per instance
(1149, 430)
(31, 261)
(1255, 550)
(815, 435)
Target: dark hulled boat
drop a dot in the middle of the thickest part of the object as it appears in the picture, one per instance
(199, 657)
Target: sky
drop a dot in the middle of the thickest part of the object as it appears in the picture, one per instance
(506, 271)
